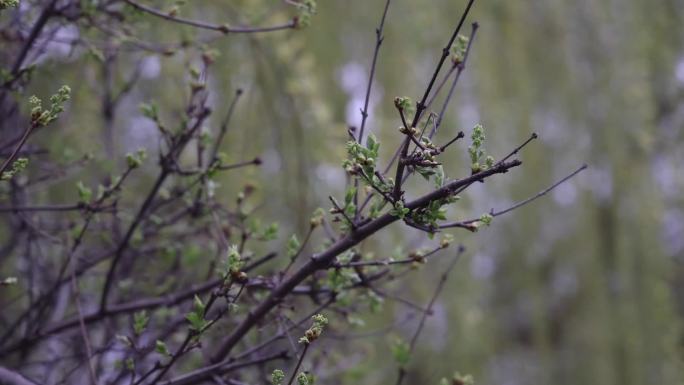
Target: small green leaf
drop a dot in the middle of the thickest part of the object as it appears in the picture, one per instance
(317, 218)
(161, 348)
(439, 176)
(401, 352)
(403, 103)
(307, 9)
(486, 219)
(461, 379)
(199, 305)
(85, 194)
(399, 210)
(270, 233)
(149, 110)
(234, 263)
(293, 246)
(197, 322)
(140, 321)
(349, 196)
(375, 302)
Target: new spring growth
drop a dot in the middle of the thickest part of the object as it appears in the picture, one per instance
(85, 193)
(173, 11)
(304, 378)
(458, 379)
(401, 351)
(399, 210)
(361, 162)
(18, 166)
(417, 256)
(277, 377)
(269, 233)
(306, 10)
(486, 219)
(40, 117)
(362, 159)
(433, 212)
(161, 348)
(149, 110)
(140, 321)
(312, 334)
(477, 151)
(135, 160)
(4, 4)
(404, 104)
(293, 246)
(196, 317)
(234, 265)
(446, 241)
(459, 49)
(317, 218)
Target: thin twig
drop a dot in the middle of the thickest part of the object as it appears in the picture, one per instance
(324, 259)
(224, 124)
(84, 331)
(461, 68)
(225, 28)
(428, 312)
(47, 208)
(364, 113)
(420, 107)
(520, 147)
(379, 38)
(469, 224)
(9, 161)
(299, 363)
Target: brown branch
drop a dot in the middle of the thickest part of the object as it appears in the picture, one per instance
(322, 260)
(225, 29)
(46, 208)
(84, 331)
(460, 68)
(48, 12)
(445, 53)
(224, 125)
(293, 375)
(8, 162)
(222, 368)
(379, 38)
(469, 224)
(168, 300)
(421, 324)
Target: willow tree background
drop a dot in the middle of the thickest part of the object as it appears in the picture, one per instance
(581, 288)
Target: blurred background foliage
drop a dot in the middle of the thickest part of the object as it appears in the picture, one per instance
(582, 287)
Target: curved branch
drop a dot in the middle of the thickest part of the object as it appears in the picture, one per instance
(225, 29)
